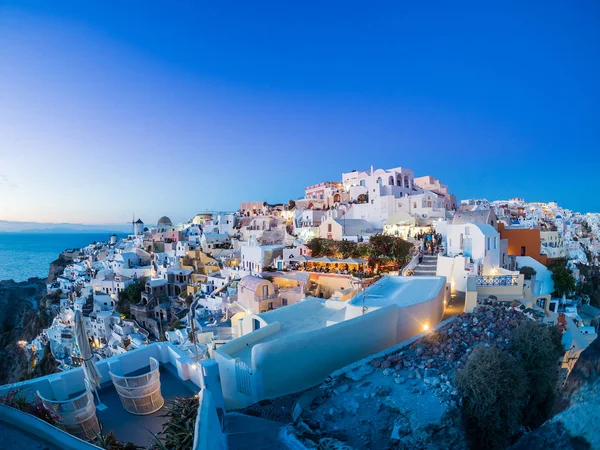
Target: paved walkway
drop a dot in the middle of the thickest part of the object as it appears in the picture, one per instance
(12, 438)
(455, 306)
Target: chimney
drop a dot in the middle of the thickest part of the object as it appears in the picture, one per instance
(371, 169)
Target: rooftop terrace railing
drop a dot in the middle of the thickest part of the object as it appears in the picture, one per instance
(140, 394)
(498, 280)
(77, 415)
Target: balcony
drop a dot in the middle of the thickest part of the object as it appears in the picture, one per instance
(258, 298)
(498, 280)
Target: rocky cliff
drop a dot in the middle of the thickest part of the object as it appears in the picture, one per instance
(576, 423)
(57, 267)
(23, 315)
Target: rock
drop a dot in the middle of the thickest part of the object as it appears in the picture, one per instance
(412, 375)
(376, 362)
(351, 406)
(432, 381)
(400, 380)
(387, 372)
(360, 372)
(341, 389)
(430, 373)
(383, 391)
(401, 428)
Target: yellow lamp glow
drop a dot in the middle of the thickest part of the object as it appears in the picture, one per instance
(426, 327)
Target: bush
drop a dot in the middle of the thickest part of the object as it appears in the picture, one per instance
(538, 348)
(494, 389)
(17, 400)
(178, 431)
(564, 282)
(527, 271)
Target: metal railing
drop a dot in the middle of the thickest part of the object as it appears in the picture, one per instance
(498, 280)
(243, 378)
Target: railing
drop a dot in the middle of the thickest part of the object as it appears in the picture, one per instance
(243, 378)
(140, 394)
(77, 415)
(498, 280)
(265, 297)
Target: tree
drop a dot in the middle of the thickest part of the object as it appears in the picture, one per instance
(131, 295)
(564, 282)
(346, 248)
(538, 348)
(527, 271)
(494, 388)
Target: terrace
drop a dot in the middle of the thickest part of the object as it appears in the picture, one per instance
(138, 374)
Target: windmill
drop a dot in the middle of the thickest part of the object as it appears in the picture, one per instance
(132, 223)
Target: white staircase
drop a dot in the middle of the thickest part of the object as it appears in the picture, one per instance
(427, 268)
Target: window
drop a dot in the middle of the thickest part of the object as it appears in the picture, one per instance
(270, 305)
(523, 251)
(495, 242)
(329, 228)
(379, 182)
(449, 242)
(489, 241)
(362, 182)
(429, 204)
(284, 302)
(414, 204)
(467, 231)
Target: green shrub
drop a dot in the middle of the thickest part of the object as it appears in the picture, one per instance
(493, 385)
(538, 348)
(178, 431)
(527, 271)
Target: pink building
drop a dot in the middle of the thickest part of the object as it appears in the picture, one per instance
(174, 236)
(323, 190)
(429, 183)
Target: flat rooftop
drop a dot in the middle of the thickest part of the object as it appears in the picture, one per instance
(401, 291)
(307, 315)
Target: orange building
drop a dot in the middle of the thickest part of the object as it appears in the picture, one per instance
(523, 242)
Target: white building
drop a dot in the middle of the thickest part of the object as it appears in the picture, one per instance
(295, 347)
(471, 249)
(254, 257)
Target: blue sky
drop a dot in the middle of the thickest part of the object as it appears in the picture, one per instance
(109, 108)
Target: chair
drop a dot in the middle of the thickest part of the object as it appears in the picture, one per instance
(140, 394)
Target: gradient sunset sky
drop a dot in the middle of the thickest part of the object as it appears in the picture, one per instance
(170, 108)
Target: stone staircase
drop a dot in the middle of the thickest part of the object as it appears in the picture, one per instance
(427, 267)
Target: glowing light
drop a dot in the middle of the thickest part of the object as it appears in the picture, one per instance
(426, 327)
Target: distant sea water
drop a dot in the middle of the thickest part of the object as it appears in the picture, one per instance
(26, 255)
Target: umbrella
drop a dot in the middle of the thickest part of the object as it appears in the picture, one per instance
(90, 370)
(299, 259)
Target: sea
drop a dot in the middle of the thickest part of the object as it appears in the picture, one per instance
(25, 255)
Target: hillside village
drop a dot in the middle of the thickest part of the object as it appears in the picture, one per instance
(269, 301)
